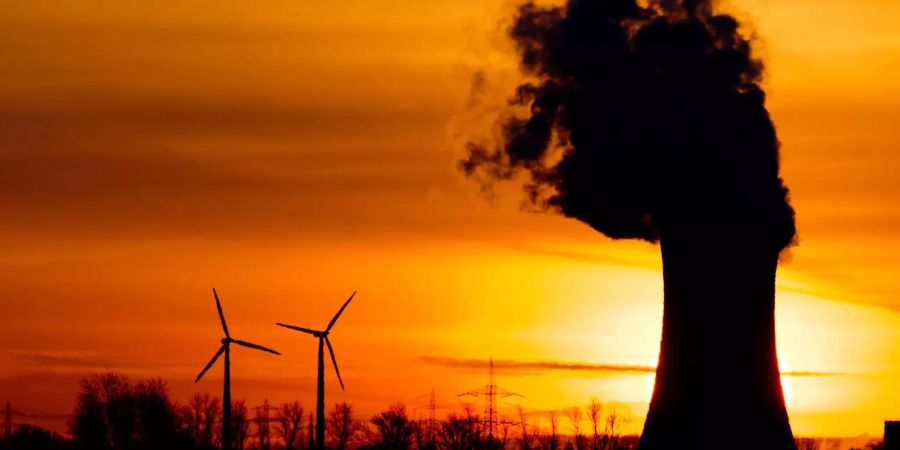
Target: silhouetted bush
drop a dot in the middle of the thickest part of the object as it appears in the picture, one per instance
(32, 437)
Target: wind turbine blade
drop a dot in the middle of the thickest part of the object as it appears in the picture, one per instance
(252, 345)
(211, 362)
(335, 318)
(334, 361)
(296, 328)
(221, 314)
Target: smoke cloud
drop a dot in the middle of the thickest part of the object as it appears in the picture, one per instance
(640, 120)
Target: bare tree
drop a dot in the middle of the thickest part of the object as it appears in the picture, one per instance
(427, 434)
(200, 419)
(263, 425)
(311, 434)
(575, 417)
(240, 424)
(808, 443)
(614, 422)
(458, 432)
(594, 410)
(525, 433)
(420, 433)
(553, 437)
(340, 425)
(875, 444)
(289, 417)
(505, 427)
(539, 437)
(364, 434)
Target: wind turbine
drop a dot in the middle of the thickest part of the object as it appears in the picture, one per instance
(226, 393)
(320, 391)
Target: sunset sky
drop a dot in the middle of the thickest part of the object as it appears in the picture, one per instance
(289, 152)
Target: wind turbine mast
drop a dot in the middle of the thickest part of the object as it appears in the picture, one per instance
(322, 336)
(320, 398)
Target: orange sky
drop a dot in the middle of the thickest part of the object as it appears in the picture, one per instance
(290, 152)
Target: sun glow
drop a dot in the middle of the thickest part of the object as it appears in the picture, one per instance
(651, 384)
(786, 383)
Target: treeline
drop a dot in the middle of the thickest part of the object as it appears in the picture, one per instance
(113, 412)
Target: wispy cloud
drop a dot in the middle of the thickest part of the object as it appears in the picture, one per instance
(78, 361)
(595, 258)
(512, 366)
(530, 366)
(811, 373)
(62, 359)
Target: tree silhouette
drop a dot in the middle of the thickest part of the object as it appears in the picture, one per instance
(425, 437)
(875, 444)
(200, 419)
(807, 443)
(112, 413)
(503, 438)
(310, 434)
(240, 424)
(553, 437)
(646, 120)
(461, 432)
(340, 425)
(290, 421)
(594, 412)
(575, 417)
(614, 422)
(30, 437)
(89, 426)
(157, 417)
(395, 430)
(263, 422)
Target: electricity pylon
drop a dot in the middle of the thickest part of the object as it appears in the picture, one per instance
(491, 393)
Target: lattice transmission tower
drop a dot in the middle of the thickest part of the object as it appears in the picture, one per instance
(431, 407)
(490, 393)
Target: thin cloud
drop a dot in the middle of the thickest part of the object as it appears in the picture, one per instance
(76, 361)
(527, 366)
(512, 366)
(62, 359)
(809, 373)
(593, 258)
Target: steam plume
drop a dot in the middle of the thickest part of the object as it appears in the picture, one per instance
(640, 121)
